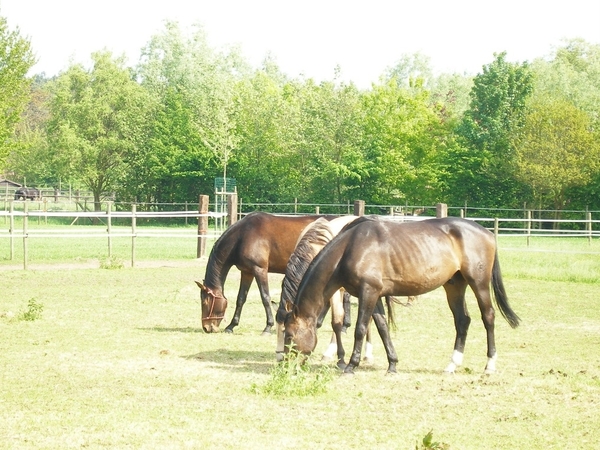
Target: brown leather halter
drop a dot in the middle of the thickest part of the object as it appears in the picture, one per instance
(213, 298)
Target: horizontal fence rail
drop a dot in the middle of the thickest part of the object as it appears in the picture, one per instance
(528, 226)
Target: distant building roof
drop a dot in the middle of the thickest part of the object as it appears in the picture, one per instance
(4, 182)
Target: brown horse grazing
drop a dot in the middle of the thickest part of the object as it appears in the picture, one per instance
(257, 245)
(312, 240)
(372, 258)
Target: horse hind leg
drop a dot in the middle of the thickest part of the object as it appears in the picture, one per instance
(337, 323)
(484, 301)
(262, 280)
(455, 294)
(368, 357)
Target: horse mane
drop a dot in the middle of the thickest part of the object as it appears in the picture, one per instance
(219, 254)
(315, 238)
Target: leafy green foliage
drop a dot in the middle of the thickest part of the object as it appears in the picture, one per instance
(32, 312)
(497, 110)
(429, 444)
(294, 377)
(16, 58)
(557, 149)
(96, 119)
(162, 131)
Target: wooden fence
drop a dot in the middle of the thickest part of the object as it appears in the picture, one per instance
(527, 226)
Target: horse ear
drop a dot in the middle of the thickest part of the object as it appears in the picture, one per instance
(201, 286)
(289, 305)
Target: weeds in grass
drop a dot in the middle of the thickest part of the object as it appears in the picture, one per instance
(111, 263)
(33, 311)
(429, 444)
(294, 376)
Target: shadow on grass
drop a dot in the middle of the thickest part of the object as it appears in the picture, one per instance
(236, 360)
(173, 330)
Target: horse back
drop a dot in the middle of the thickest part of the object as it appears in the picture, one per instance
(268, 240)
(414, 257)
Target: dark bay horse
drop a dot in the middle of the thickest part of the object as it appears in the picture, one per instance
(372, 258)
(312, 240)
(257, 245)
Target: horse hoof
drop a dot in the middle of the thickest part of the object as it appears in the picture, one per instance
(326, 358)
(228, 331)
(279, 356)
(266, 333)
(347, 374)
(342, 365)
(368, 360)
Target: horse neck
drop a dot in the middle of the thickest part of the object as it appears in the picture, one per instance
(317, 285)
(217, 267)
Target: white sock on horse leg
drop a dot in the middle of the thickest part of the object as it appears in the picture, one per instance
(455, 361)
(491, 365)
(331, 350)
(368, 352)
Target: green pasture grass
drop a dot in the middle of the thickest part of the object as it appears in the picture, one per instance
(117, 359)
(548, 258)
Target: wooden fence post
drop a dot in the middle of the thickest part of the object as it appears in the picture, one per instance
(109, 227)
(11, 230)
(133, 232)
(202, 226)
(528, 226)
(441, 210)
(231, 209)
(588, 217)
(25, 231)
(359, 208)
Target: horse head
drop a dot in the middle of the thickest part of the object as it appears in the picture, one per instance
(214, 306)
(300, 334)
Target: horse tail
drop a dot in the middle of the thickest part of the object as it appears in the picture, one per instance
(500, 295)
(390, 300)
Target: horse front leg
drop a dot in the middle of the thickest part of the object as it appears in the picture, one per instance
(245, 282)
(455, 294)
(366, 305)
(280, 349)
(262, 280)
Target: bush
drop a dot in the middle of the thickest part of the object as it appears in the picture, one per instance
(295, 377)
(33, 311)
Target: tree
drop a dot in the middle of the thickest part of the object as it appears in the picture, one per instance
(330, 139)
(31, 159)
(401, 137)
(267, 128)
(97, 119)
(485, 167)
(556, 149)
(16, 58)
(192, 136)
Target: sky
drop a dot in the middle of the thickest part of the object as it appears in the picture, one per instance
(310, 38)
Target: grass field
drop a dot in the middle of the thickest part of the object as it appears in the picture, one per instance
(117, 359)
